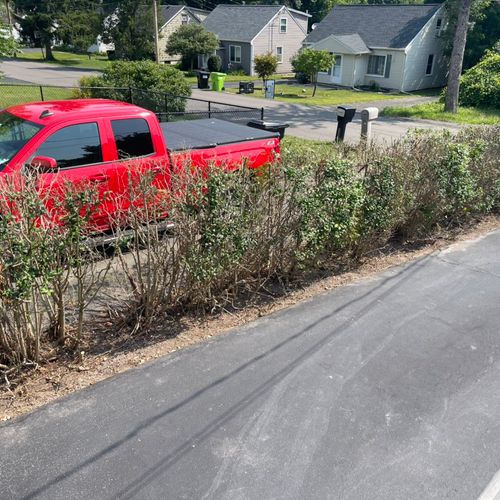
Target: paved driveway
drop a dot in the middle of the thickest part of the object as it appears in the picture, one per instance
(320, 122)
(384, 389)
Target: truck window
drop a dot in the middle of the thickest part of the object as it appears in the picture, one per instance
(133, 138)
(14, 134)
(73, 146)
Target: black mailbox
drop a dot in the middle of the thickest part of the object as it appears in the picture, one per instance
(203, 77)
(345, 114)
(269, 126)
(246, 88)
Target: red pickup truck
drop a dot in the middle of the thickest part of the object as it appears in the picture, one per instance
(101, 141)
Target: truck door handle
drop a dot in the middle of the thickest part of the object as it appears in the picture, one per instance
(99, 178)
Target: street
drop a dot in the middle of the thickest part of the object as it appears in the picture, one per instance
(383, 389)
(308, 122)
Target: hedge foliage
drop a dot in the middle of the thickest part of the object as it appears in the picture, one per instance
(153, 79)
(480, 85)
(320, 206)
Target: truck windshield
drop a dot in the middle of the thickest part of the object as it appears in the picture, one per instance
(14, 134)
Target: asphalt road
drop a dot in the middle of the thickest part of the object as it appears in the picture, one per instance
(320, 122)
(309, 122)
(384, 389)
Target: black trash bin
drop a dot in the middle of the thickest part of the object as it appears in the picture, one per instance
(203, 79)
(269, 126)
(246, 88)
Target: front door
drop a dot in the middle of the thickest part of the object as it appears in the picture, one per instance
(336, 71)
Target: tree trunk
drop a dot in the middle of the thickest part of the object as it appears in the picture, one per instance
(457, 57)
(315, 81)
(48, 52)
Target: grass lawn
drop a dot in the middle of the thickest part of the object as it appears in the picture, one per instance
(434, 111)
(81, 61)
(10, 94)
(302, 94)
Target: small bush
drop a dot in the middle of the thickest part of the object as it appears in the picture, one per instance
(480, 85)
(214, 63)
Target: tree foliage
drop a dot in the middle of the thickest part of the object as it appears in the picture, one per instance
(129, 25)
(8, 45)
(265, 65)
(190, 40)
(480, 85)
(483, 35)
(310, 62)
(74, 22)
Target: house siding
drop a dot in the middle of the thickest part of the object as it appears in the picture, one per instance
(418, 51)
(396, 75)
(246, 56)
(291, 41)
(167, 31)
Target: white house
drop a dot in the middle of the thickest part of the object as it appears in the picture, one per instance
(393, 46)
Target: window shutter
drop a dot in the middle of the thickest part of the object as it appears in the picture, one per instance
(388, 66)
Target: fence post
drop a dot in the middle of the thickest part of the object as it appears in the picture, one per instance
(41, 93)
(131, 95)
(166, 107)
(209, 109)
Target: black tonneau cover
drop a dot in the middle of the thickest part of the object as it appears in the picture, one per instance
(208, 133)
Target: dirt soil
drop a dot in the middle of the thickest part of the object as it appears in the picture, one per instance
(65, 374)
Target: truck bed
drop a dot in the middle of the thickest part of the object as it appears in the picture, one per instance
(209, 133)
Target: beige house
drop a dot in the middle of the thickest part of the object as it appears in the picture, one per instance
(393, 46)
(245, 31)
(171, 17)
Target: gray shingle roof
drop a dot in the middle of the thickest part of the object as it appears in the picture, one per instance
(354, 41)
(168, 12)
(392, 26)
(239, 22)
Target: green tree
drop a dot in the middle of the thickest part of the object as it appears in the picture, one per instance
(191, 40)
(265, 65)
(58, 20)
(310, 62)
(8, 46)
(129, 25)
(483, 35)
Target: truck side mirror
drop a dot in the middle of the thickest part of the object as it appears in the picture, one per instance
(44, 164)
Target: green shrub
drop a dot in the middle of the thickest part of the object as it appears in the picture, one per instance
(480, 85)
(150, 79)
(214, 63)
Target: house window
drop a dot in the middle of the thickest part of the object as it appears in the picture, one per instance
(283, 25)
(235, 53)
(376, 66)
(184, 19)
(439, 26)
(279, 54)
(430, 65)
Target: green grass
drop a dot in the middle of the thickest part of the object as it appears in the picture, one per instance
(80, 61)
(302, 94)
(17, 94)
(435, 111)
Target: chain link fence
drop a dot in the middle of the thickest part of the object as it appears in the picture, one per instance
(167, 107)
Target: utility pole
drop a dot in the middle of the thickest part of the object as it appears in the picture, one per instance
(157, 47)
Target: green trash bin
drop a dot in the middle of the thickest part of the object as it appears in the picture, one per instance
(217, 81)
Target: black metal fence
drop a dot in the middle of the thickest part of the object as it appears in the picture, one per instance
(167, 107)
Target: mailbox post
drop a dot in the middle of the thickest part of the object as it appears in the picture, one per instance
(368, 115)
(345, 114)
